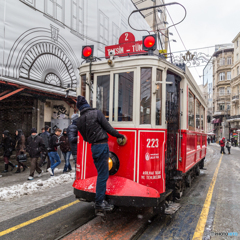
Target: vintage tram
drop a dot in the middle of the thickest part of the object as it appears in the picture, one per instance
(160, 110)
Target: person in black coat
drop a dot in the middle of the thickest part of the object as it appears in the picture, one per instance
(20, 148)
(8, 146)
(72, 133)
(94, 127)
(35, 146)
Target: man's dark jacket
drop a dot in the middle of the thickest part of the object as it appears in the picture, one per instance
(35, 146)
(7, 145)
(72, 133)
(46, 137)
(65, 146)
(53, 143)
(94, 127)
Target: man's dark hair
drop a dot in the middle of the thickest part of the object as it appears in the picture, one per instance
(46, 127)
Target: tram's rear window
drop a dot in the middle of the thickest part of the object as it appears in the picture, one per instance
(123, 97)
(159, 98)
(102, 101)
(145, 97)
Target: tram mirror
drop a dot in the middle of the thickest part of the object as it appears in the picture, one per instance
(170, 86)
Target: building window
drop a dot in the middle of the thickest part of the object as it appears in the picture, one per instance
(83, 85)
(103, 28)
(229, 61)
(30, 2)
(228, 75)
(237, 71)
(77, 16)
(221, 91)
(221, 107)
(221, 76)
(222, 61)
(116, 33)
(55, 9)
(191, 108)
(159, 98)
(228, 90)
(228, 107)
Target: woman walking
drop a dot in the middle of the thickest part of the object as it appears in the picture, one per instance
(20, 148)
(7, 145)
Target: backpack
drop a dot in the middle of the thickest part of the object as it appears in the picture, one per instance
(45, 139)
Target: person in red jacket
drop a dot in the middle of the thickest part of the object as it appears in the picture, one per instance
(222, 144)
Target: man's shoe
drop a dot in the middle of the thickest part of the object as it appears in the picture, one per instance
(104, 206)
(40, 174)
(30, 178)
(18, 171)
(24, 168)
(50, 171)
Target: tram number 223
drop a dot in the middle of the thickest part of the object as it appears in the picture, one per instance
(152, 143)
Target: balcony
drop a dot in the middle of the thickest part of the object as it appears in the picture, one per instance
(235, 118)
(225, 96)
(221, 113)
(235, 98)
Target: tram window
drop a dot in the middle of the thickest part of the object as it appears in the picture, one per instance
(197, 114)
(103, 86)
(159, 99)
(202, 117)
(83, 85)
(191, 108)
(123, 97)
(145, 96)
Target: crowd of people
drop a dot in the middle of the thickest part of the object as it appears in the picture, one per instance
(42, 149)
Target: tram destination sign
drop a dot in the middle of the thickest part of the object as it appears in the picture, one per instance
(127, 45)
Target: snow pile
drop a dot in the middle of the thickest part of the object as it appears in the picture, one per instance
(27, 188)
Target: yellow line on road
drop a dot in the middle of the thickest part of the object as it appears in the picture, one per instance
(198, 234)
(37, 218)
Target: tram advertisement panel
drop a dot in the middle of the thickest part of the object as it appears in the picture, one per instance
(151, 159)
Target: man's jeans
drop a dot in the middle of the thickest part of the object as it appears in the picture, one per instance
(67, 161)
(54, 156)
(100, 154)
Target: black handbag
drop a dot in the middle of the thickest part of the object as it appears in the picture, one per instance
(22, 157)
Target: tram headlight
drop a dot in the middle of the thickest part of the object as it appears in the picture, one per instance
(113, 163)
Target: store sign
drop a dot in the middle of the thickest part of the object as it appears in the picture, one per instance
(127, 45)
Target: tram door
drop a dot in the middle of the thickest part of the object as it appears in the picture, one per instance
(172, 119)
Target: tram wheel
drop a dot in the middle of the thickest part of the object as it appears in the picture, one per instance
(197, 171)
(188, 180)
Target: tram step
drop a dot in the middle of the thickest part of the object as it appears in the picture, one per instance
(172, 208)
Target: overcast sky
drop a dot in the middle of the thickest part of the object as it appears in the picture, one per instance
(208, 22)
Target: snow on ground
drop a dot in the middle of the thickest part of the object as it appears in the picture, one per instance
(27, 188)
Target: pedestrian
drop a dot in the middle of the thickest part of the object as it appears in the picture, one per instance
(34, 148)
(53, 155)
(94, 127)
(208, 140)
(235, 142)
(8, 146)
(20, 148)
(72, 133)
(228, 145)
(66, 150)
(44, 155)
(222, 144)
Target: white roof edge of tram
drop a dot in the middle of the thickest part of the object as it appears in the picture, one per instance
(133, 61)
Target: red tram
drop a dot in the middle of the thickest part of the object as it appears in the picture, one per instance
(160, 109)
